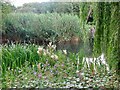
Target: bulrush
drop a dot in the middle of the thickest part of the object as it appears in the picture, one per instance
(55, 57)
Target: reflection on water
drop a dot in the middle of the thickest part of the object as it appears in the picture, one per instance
(69, 46)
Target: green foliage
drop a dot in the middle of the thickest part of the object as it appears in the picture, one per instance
(38, 72)
(16, 55)
(51, 7)
(114, 43)
(107, 18)
(45, 26)
(107, 32)
(5, 8)
(84, 9)
(99, 28)
(106, 21)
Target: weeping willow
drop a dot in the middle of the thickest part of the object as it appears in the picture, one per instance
(113, 51)
(84, 9)
(99, 14)
(106, 23)
(107, 37)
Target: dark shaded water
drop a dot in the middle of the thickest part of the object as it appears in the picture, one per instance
(73, 47)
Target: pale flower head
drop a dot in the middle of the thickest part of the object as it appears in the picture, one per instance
(65, 52)
(53, 46)
(50, 44)
(40, 50)
(55, 57)
(77, 71)
(40, 75)
(46, 52)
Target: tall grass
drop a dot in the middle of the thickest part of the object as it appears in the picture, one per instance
(16, 55)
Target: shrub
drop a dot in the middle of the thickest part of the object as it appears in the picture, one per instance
(46, 26)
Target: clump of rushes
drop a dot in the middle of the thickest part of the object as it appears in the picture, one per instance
(15, 55)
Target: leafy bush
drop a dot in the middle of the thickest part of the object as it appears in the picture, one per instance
(45, 26)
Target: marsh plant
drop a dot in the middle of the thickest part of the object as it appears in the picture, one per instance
(38, 66)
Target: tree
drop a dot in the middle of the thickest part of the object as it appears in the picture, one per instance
(51, 7)
(6, 8)
(108, 32)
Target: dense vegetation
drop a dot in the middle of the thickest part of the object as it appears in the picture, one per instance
(106, 21)
(30, 65)
(107, 32)
(5, 8)
(59, 7)
(25, 66)
(48, 26)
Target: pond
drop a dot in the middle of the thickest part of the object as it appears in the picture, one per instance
(73, 47)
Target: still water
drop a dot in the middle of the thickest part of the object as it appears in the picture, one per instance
(70, 47)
